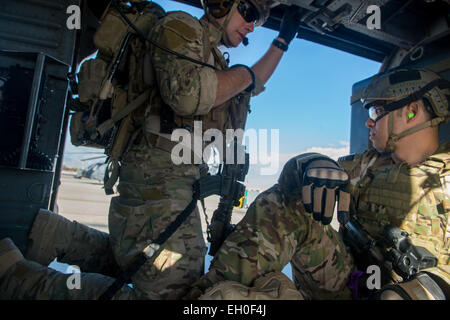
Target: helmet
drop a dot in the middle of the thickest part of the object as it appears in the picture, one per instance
(220, 8)
(400, 87)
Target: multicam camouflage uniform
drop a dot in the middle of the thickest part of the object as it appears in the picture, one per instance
(153, 191)
(274, 233)
(412, 198)
(53, 236)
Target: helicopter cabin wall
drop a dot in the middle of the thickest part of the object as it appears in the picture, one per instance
(36, 53)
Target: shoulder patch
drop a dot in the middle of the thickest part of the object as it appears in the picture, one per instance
(177, 29)
(182, 29)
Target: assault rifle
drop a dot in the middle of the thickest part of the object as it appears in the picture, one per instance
(394, 251)
(228, 184)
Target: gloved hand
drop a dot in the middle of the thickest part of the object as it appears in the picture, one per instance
(290, 23)
(324, 182)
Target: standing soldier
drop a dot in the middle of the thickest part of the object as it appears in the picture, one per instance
(153, 190)
(405, 189)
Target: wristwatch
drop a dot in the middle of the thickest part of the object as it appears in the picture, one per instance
(279, 44)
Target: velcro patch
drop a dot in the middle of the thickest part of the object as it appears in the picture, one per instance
(176, 33)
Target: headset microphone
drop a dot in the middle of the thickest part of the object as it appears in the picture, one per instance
(245, 41)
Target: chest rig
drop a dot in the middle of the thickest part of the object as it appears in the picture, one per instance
(412, 198)
(232, 114)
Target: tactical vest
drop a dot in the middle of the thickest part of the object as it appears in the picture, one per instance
(113, 112)
(415, 199)
(232, 114)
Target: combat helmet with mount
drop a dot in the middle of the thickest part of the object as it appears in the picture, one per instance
(398, 88)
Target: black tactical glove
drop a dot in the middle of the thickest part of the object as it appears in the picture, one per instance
(290, 23)
(324, 182)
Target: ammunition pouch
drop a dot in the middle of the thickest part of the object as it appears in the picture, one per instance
(91, 77)
(99, 128)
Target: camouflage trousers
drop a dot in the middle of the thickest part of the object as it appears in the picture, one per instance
(270, 236)
(153, 191)
(52, 236)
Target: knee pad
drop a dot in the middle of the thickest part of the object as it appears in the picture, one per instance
(420, 287)
(41, 240)
(272, 286)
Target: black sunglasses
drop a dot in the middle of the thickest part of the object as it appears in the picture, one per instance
(248, 11)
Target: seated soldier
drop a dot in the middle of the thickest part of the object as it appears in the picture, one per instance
(406, 187)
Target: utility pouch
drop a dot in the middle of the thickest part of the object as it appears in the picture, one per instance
(101, 87)
(83, 129)
(90, 80)
(113, 27)
(239, 110)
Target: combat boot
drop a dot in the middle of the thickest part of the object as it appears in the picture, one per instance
(24, 279)
(53, 236)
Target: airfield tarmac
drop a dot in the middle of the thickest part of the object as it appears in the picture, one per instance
(84, 200)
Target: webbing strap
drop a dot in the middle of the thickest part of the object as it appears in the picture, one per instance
(390, 144)
(133, 105)
(111, 176)
(142, 258)
(393, 138)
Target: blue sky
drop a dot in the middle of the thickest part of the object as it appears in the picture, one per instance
(307, 98)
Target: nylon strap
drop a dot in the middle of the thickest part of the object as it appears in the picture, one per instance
(142, 258)
(111, 176)
(133, 105)
(393, 138)
(390, 144)
(161, 142)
